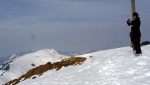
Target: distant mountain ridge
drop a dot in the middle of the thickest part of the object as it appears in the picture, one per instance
(3, 59)
(75, 53)
(13, 56)
(7, 63)
(17, 65)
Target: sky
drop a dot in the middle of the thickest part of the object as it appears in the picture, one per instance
(68, 25)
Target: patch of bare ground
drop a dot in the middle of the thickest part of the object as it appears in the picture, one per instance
(49, 66)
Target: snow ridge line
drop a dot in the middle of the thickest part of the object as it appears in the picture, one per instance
(49, 66)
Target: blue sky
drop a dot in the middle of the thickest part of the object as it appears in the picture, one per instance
(67, 25)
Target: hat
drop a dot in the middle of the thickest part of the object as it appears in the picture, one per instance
(136, 14)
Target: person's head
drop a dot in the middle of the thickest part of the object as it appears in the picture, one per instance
(135, 15)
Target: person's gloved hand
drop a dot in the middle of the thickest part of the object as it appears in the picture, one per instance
(129, 20)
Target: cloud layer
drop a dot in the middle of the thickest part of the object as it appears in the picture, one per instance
(67, 25)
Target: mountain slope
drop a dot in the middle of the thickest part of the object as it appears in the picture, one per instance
(6, 58)
(111, 67)
(21, 65)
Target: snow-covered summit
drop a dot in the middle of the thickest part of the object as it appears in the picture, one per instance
(17, 66)
(110, 67)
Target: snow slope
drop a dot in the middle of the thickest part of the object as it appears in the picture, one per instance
(6, 58)
(22, 64)
(111, 67)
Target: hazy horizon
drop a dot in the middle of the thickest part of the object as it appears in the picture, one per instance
(68, 25)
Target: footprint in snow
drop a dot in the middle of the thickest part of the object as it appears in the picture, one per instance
(131, 71)
(147, 74)
(141, 63)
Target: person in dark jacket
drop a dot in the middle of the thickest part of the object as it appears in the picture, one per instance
(135, 33)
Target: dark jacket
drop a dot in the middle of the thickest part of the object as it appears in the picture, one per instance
(135, 29)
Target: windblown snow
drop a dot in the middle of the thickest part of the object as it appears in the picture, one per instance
(111, 67)
(22, 64)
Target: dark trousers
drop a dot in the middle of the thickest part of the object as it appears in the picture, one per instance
(136, 43)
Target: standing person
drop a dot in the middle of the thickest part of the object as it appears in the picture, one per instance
(135, 33)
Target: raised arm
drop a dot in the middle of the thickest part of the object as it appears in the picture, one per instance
(129, 23)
